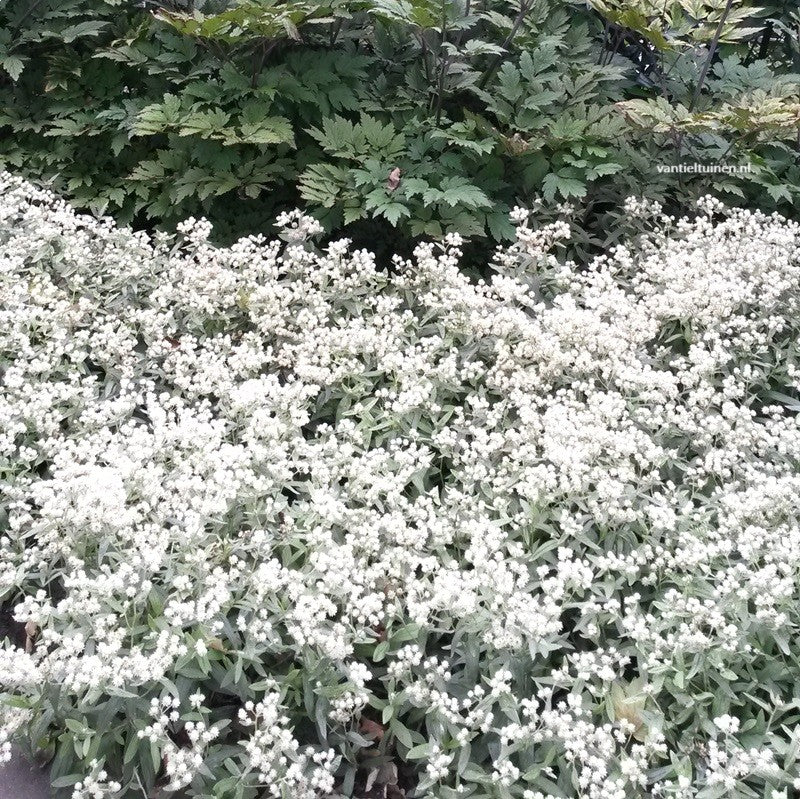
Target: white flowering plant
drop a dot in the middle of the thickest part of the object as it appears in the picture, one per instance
(279, 524)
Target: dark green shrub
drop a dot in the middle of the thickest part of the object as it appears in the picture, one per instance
(432, 115)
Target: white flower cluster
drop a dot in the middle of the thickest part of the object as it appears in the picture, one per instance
(297, 495)
(274, 753)
(181, 763)
(96, 785)
(350, 702)
(12, 720)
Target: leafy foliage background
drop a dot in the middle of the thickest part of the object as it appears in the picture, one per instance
(428, 115)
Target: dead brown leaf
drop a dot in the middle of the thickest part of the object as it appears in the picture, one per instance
(372, 728)
(394, 179)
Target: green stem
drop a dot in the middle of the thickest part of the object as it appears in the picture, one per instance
(335, 32)
(523, 10)
(444, 61)
(711, 52)
(425, 53)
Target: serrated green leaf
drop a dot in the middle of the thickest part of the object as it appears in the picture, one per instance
(13, 65)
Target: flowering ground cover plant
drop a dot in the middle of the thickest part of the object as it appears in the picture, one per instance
(279, 524)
